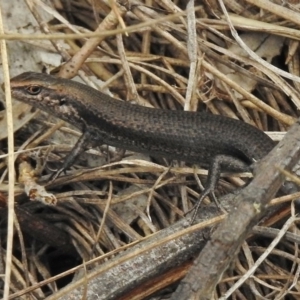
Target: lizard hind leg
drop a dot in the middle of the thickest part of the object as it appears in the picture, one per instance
(219, 162)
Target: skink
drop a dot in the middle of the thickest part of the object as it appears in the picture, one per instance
(212, 141)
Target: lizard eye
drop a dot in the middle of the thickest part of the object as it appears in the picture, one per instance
(33, 90)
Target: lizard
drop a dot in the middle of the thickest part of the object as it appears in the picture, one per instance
(212, 141)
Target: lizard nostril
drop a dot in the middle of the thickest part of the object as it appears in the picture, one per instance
(62, 102)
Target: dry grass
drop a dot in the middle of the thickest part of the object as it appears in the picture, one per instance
(155, 54)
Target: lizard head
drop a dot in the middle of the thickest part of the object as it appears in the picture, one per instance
(47, 93)
(36, 89)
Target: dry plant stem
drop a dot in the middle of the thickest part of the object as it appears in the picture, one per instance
(170, 247)
(249, 24)
(278, 84)
(180, 80)
(34, 191)
(170, 89)
(11, 169)
(269, 110)
(111, 273)
(286, 119)
(269, 69)
(75, 36)
(44, 231)
(107, 206)
(23, 251)
(117, 13)
(276, 9)
(99, 70)
(19, 152)
(170, 6)
(22, 114)
(193, 56)
(253, 54)
(233, 5)
(120, 224)
(129, 82)
(181, 30)
(71, 68)
(281, 117)
(273, 232)
(150, 196)
(251, 205)
(292, 51)
(239, 107)
(251, 271)
(32, 4)
(46, 135)
(207, 47)
(145, 47)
